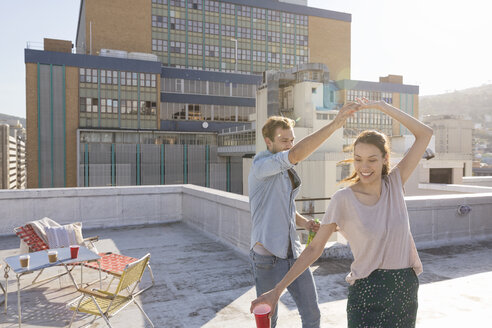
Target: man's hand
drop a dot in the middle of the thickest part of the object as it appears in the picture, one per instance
(311, 225)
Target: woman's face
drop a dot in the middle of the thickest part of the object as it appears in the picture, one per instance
(368, 162)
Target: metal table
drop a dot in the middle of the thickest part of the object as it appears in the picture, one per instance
(39, 261)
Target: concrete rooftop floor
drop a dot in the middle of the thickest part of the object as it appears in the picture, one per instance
(202, 283)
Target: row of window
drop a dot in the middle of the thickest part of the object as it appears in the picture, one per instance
(207, 88)
(370, 117)
(90, 75)
(155, 138)
(226, 30)
(325, 116)
(237, 139)
(201, 112)
(91, 105)
(243, 11)
(179, 47)
(352, 95)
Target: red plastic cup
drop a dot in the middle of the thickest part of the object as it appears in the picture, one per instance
(261, 313)
(74, 251)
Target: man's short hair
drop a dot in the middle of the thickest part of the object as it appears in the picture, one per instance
(275, 122)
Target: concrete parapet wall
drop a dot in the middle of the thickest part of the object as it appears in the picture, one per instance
(221, 215)
(484, 181)
(94, 207)
(435, 220)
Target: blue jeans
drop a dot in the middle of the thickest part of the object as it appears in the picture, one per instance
(269, 270)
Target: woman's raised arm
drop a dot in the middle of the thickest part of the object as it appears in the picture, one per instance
(422, 134)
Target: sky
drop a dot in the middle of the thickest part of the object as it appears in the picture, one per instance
(439, 45)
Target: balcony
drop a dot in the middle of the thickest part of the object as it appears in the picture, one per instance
(199, 240)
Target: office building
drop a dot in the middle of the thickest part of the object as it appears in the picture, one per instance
(12, 157)
(151, 91)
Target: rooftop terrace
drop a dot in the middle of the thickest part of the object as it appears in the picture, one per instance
(204, 279)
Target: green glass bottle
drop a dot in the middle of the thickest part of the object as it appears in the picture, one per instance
(311, 234)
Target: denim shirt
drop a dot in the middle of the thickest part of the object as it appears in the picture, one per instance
(271, 200)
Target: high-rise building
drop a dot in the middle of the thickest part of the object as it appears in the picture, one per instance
(12, 157)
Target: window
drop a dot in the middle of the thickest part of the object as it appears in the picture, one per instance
(195, 4)
(177, 47)
(159, 45)
(177, 24)
(195, 26)
(211, 28)
(195, 49)
(259, 13)
(88, 105)
(211, 51)
(302, 40)
(179, 85)
(273, 36)
(177, 3)
(244, 32)
(159, 21)
(212, 6)
(228, 30)
(243, 11)
(443, 175)
(274, 16)
(259, 34)
(228, 8)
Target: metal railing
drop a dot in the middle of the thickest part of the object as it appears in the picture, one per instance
(312, 199)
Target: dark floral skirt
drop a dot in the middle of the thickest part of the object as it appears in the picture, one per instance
(387, 298)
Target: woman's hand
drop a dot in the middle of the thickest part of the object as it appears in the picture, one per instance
(270, 298)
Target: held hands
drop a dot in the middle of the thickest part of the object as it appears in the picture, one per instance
(376, 104)
(345, 112)
(311, 225)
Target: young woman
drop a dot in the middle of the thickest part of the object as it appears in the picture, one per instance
(372, 215)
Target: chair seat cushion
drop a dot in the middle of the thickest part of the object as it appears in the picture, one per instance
(112, 263)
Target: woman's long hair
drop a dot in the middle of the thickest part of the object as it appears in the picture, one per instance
(377, 139)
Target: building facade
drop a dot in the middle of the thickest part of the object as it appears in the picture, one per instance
(227, 36)
(151, 90)
(12, 158)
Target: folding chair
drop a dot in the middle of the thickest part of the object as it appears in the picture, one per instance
(110, 263)
(105, 304)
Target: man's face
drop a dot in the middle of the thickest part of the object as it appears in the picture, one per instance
(283, 140)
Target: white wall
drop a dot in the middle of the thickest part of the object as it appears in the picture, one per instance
(221, 215)
(95, 207)
(484, 181)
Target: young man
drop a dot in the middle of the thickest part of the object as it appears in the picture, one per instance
(273, 186)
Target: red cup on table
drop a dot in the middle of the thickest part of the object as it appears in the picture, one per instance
(262, 312)
(74, 251)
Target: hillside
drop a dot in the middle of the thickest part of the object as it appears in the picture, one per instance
(12, 120)
(473, 102)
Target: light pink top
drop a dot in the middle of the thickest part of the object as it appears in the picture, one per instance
(379, 235)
